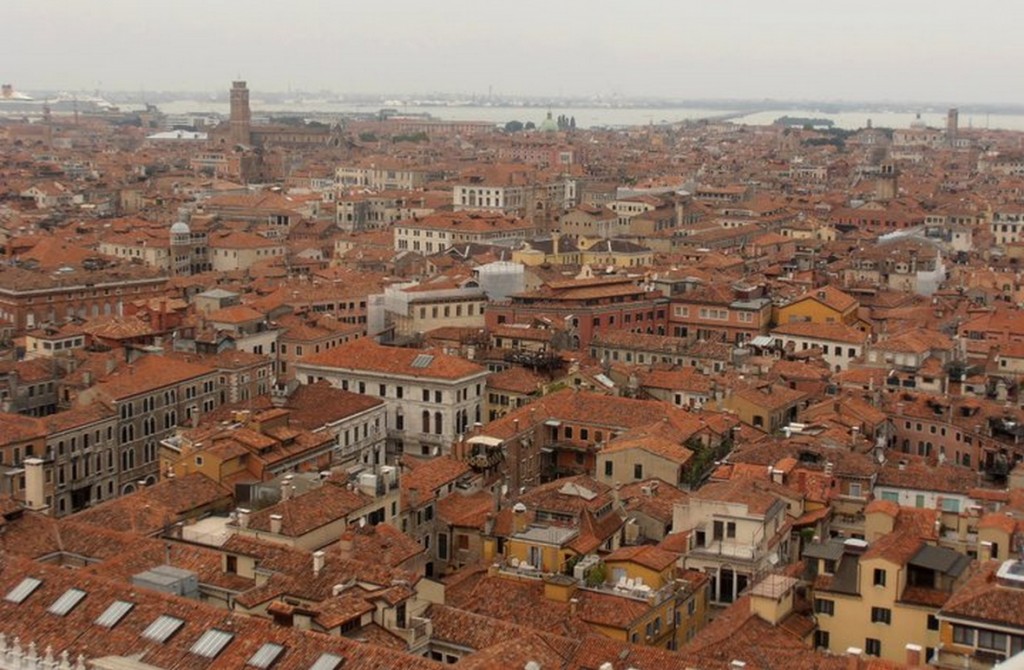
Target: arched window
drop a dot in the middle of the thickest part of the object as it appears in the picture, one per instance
(438, 423)
(426, 421)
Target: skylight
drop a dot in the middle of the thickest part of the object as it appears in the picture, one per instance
(211, 643)
(327, 661)
(67, 602)
(113, 614)
(23, 590)
(162, 629)
(422, 361)
(265, 656)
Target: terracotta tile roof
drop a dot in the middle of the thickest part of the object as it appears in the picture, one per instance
(769, 396)
(827, 332)
(148, 374)
(517, 380)
(381, 543)
(982, 598)
(366, 355)
(18, 428)
(151, 509)
(753, 494)
(652, 440)
(921, 476)
(235, 314)
(77, 634)
(427, 477)
(466, 511)
(472, 222)
(658, 504)
(314, 509)
(829, 296)
(646, 555)
(597, 410)
(684, 379)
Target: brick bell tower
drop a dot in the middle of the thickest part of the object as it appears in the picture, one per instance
(241, 118)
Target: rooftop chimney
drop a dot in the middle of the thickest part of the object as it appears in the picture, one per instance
(243, 517)
(346, 544)
(855, 658)
(913, 655)
(318, 562)
(286, 488)
(35, 497)
(519, 517)
(275, 523)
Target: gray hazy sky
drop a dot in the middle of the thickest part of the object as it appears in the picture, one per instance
(787, 49)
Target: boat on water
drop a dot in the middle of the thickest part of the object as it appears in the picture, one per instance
(7, 93)
(15, 101)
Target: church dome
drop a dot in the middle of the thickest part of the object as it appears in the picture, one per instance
(180, 228)
(548, 125)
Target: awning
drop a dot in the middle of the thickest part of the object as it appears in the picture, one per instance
(485, 440)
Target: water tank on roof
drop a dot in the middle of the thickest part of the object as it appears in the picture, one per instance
(501, 279)
(169, 579)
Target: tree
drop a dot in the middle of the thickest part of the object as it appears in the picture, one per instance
(572, 123)
(530, 125)
(513, 126)
(597, 575)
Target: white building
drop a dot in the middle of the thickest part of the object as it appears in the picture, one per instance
(839, 343)
(738, 532)
(432, 398)
(442, 230)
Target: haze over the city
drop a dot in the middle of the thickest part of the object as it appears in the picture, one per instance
(791, 49)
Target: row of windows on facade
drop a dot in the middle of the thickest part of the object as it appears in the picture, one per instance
(988, 639)
(70, 295)
(72, 343)
(472, 309)
(714, 314)
(925, 449)
(399, 391)
(438, 422)
(638, 473)
(148, 404)
(932, 428)
(94, 440)
(837, 350)
(946, 504)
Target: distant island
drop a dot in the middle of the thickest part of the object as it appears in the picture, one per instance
(803, 122)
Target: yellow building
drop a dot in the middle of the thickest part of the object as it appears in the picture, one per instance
(654, 607)
(636, 567)
(983, 622)
(559, 522)
(599, 252)
(767, 407)
(641, 455)
(822, 305)
(882, 596)
(553, 250)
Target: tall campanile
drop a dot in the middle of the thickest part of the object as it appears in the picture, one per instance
(241, 118)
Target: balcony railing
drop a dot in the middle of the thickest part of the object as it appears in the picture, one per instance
(729, 550)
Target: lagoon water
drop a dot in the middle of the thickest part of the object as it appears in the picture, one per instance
(587, 117)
